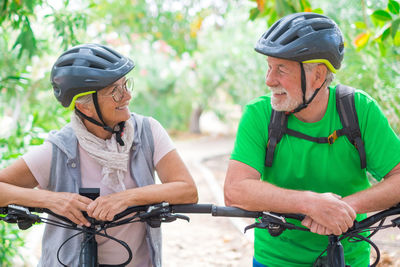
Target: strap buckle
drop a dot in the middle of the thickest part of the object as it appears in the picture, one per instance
(332, 138)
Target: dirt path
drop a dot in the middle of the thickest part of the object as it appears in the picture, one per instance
(206, 240)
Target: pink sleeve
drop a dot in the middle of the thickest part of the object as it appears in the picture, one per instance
(38, 159)
(162, 142)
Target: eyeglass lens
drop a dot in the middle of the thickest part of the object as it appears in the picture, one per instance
(119, 91)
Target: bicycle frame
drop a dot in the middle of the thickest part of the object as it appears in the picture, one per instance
(88, 256)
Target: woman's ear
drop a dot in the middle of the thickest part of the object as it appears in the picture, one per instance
(85, 109)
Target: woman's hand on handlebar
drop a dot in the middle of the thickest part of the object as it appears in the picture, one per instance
(70, 205)
(104, 208)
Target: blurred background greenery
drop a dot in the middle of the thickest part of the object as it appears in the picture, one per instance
(191, 56)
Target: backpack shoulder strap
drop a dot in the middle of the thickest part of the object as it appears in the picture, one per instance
(276, 129)
(348, 116)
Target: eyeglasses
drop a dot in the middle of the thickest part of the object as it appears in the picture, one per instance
(119, 91)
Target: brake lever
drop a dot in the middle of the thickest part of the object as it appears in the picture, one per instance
(22, 216)
(396, 222)
(274, 223)
(262, 225)
(156, 221)
(182, 217)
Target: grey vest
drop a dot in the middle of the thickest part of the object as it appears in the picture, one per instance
(65, 176)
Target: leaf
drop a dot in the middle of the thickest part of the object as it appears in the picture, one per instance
(254, 13)
(195, 26)
(395, 27)
(318, 11)
(360, 25)
(381, 15)
(260, 5)
(394, 7)
(361, 40)
(305, 6)
(386, 34)
(26, 39)
(396, 39)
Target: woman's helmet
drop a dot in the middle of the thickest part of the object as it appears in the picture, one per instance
(304, 37)
(85, 69)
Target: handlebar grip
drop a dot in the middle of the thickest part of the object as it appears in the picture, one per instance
(192, 208)
(234, 212)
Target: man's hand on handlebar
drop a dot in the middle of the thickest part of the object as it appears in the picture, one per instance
(328, 214)
(315, 227)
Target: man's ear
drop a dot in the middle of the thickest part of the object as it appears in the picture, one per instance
(320, 75)
(85, 109)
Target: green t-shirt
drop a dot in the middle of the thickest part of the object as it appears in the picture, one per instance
(304, 165)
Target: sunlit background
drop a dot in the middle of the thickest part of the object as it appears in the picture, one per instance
(194, 60)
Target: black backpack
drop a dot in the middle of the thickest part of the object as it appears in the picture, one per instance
(348, 117)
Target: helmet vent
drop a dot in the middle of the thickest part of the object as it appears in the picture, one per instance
(107, 58)
(322, 26)
(108, 55)
(289, 39)
(341, 47)
(94, 65)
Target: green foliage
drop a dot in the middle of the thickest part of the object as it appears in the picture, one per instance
(175, 22)
(386, 24)
(226, 70)
(273, 10)
(66, 24)
(10, 240)
(16, 14)
(156, 75)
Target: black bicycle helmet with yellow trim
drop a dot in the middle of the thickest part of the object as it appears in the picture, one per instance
(85, 69)
(304, 37)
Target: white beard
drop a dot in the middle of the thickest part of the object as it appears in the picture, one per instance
(285, 103)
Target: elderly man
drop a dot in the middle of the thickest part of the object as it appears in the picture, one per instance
(294, 153)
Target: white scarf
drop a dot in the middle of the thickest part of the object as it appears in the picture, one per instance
(108, 153)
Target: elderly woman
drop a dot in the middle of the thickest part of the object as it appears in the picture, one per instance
(104, 146)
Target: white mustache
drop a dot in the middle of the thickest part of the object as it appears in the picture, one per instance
(278, 90)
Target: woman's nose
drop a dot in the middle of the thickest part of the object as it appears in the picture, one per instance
(127, 95)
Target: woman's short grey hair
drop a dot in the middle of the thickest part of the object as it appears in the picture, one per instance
(85, 99)
(329, 74)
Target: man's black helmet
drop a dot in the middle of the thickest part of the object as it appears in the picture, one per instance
(85, 69)
(304, 37)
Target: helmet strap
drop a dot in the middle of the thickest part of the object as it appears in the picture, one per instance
(119, 133)
(303, 89)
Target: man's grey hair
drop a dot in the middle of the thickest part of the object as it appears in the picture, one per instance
(329, 74)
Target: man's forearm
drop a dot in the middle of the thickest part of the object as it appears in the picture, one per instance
(380, 196)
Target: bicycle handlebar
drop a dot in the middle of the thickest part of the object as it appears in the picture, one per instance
(155, 214)
(154, 210)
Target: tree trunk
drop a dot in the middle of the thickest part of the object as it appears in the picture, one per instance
(194, 126)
